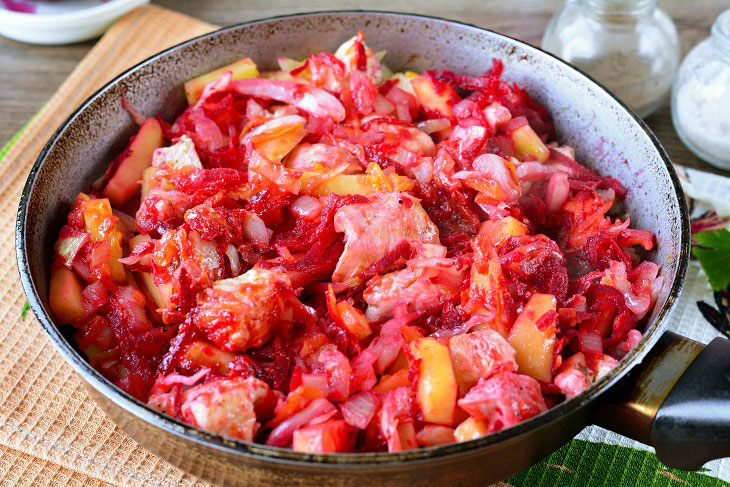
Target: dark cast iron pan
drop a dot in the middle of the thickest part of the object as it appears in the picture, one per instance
(668, 391)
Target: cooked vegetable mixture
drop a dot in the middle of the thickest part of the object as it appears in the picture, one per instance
(334, 258)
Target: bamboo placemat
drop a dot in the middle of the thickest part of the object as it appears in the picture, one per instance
(51, 431)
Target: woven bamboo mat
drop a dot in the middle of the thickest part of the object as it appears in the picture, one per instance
(51, 431)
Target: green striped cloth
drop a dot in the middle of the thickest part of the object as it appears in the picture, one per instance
(597, 457)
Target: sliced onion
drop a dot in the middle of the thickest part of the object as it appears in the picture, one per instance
(590, 342)
(399, 96)
(514, 124)
(558, 190)
(254, 110)
(67, 247)
(446, 333)
(633, 338)
(618, 227)
(360, 409)
(127, 105)
(174, 378)
(209, 133)
(214, 87)
(131, 259)
(287, 64)
(497, 115)
(283, 177)
(255, 230)
(486, 162)
(306, 207)
(207, 251)
(403, 112)
(382, 106)
(234, 260)
(318, 125)
(363, 375)
(656, 287)
(322, 418)
(386, 348)
(366, 138)
(274, 124)
(316, 381)
(311, 99)
(532, 170)
(424, 171)
(434, 125)
(465, 175)
(282, 434)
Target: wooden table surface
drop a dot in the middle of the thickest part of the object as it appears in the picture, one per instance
(30, 74)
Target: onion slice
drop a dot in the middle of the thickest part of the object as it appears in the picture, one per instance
(281, 435)
(306, 207)
(360, 409)
(69, 244)
(558, 190)
(255, 230)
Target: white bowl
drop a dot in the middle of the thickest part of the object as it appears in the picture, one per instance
(62, 22)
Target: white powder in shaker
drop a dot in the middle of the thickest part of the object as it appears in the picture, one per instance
(703, 113)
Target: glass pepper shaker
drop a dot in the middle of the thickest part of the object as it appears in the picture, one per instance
(701, 96)
(630, 46)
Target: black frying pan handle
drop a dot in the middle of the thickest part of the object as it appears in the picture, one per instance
(677, 400)
(692, 426)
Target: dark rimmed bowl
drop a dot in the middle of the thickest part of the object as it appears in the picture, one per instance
(606, 135)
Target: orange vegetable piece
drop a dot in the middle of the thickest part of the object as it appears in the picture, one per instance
(528, 145)
(470, 429)
(495, 232)
(407, 435)
(488, 294)
(243, 69)
(392, 382)
(434, 435)
(533, 346)
(436, 390)
(103, 225)
(206, 354)
(347, 315)
(274, 144)
(65, 299)
(334, 436)
(436, 96)
(125, 181)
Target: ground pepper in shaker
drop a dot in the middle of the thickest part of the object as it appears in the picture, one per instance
(629, 46)
(701, 97)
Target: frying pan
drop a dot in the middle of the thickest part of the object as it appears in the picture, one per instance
(669, 392)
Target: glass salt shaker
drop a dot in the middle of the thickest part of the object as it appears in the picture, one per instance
(701, 97)
(629, 46)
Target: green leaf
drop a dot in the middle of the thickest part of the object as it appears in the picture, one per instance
(714, 256)
(24, 311)
(582, 463)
